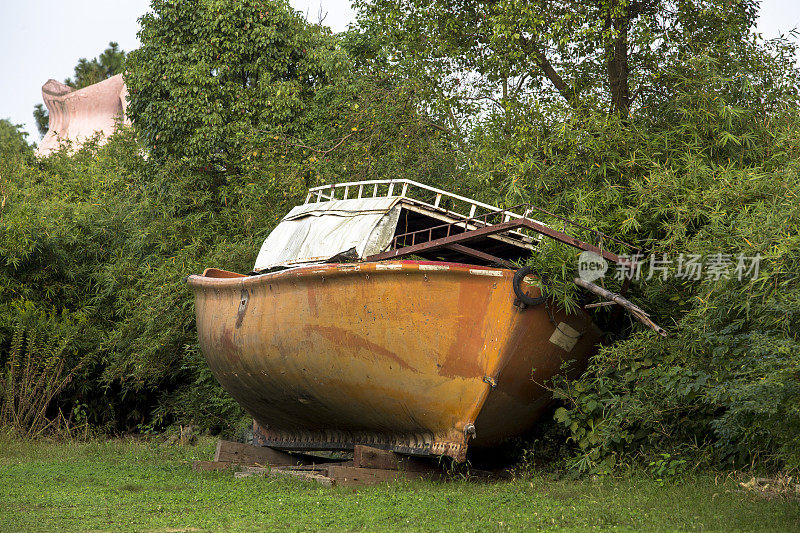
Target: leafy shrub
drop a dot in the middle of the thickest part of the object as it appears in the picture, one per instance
(725, 383)
(37, 368)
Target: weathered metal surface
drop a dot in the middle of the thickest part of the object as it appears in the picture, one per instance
(409, 356)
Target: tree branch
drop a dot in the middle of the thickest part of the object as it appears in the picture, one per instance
(319, 151)
(450, 132)
(547, 67)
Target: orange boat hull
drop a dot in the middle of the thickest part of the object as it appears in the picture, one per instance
(419, 357)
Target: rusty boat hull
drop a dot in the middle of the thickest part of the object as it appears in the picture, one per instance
(419, 357)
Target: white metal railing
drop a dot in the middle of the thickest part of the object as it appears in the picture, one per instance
(361, 189)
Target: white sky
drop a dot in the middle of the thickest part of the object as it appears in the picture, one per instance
(43, 39)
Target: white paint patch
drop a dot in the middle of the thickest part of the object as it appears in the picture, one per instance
(565, 337)
(492, 273)
(388, 266)
(434, 267)
(349, 268)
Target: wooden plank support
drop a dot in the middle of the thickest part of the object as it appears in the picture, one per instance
(351, 475)
(247, 454)
(305, 475)
(369, 457)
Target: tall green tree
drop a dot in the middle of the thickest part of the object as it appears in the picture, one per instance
(87, 72)
(90, 71)
(12, 138)
(42, 119)
(211, 77)
(605, 54)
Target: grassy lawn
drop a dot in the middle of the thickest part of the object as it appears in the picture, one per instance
(130, 485)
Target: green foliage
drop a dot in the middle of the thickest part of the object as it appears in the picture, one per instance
(12, 142)
(568, 56)
(235, 88)
(42, 119)
(702, 159)
(725, 383)
(37, 367)
(101, 233)
(665, 468)
(90, 71)
(200, 399)
(214, 77)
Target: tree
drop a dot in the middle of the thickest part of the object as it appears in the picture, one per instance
(212, 77)
(42, 118)
(588, 54)
(90, 71)
(12, 138)
(87, 72)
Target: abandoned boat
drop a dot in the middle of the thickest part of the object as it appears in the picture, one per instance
(336, 340)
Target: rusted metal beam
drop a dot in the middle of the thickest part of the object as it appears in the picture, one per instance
(514, 239)
(480, 255)
(491, 230)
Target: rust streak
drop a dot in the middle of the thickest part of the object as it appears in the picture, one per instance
(312, 300)
(228, 346)
(460, 361)
(347, 338)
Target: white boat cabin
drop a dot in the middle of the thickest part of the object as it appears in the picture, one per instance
(357, 221)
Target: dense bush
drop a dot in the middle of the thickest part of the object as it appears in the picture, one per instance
(40, 364)
(707, 173)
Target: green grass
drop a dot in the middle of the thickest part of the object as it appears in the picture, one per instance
(134, 485)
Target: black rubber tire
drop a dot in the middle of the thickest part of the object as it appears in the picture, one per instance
(530, 301)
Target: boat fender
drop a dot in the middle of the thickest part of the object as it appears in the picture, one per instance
(530, 301)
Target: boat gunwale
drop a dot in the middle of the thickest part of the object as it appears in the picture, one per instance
(344, 269)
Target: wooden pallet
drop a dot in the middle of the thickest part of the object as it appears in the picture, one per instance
(368, 467)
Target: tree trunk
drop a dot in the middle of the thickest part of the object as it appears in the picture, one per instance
(617, 53)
